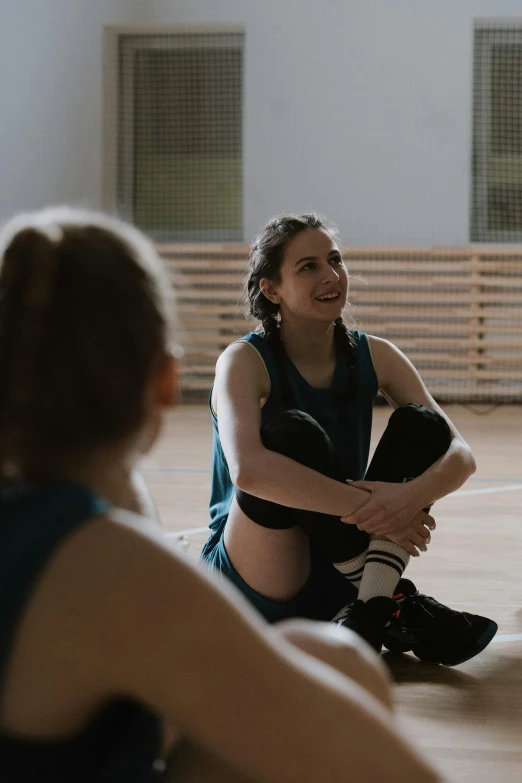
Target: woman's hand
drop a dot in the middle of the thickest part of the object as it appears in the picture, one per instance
(390, 508)
(416, 536)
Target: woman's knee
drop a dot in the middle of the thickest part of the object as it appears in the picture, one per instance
(343, 650)
(298, 436)
(421, 423)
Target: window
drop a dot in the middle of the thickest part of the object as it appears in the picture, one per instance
(497, 133)
(179, 134)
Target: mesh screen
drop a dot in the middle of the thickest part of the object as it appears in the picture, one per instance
(180, 135)
(497, 134)
(457, 313)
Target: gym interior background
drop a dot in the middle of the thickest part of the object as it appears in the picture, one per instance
(402, 123)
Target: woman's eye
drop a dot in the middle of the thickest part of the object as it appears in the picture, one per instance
(307, 267)
(336, 260)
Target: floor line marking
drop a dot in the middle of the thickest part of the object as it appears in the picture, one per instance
(509, 637)
(500, 480)
(484, 491)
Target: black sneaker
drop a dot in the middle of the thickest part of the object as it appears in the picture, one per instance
(434, 632)
(369, 619)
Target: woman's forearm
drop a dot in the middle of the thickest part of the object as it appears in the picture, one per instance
(274, 477)
(446, 475)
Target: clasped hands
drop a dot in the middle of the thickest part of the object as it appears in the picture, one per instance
(393, 512)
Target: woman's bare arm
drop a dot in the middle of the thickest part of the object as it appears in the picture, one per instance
(136, 620)
(198, 654)
(395, 509)
(400, 382)
(239, 386)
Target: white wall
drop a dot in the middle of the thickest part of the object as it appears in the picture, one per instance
(51, 99)
(360, 109)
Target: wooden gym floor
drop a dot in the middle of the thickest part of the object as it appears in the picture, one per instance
(469, 718)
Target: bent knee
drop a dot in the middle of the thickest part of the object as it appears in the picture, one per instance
(420, 421)
(298, 436)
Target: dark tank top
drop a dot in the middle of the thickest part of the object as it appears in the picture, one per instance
(122, 742)
(347, 418)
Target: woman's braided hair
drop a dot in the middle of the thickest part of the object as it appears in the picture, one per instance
(266, 258)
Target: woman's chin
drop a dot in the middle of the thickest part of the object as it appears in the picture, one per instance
(330, 314)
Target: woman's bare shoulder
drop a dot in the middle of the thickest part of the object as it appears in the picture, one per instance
(241, 369)
(240, 353)
(112, 601)
(124, 580)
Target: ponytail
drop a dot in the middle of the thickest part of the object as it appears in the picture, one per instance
(26, 290)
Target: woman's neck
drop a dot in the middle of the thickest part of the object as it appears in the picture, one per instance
(308, 343)
(108, 474)
(114, 484)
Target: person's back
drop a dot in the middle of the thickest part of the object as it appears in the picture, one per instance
(106, 634)
(122, 737)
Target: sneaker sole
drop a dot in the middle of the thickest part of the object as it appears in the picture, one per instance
(480, 644)
(394, 645)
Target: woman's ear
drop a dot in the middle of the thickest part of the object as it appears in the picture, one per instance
(168, 381)
(269, 289)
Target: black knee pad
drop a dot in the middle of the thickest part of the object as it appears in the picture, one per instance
(300, 437)
(418, 424)
(414, 439)
(264, 512)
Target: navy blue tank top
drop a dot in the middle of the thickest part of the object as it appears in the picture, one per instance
(346, 418)
(122, 742)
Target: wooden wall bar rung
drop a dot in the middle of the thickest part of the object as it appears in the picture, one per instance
(431, 359)
(198, 338)
(455, 311)
(186, 280)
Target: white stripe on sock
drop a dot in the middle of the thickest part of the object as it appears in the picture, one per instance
(385, 564)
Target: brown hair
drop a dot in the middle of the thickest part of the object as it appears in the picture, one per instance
(266, 258)
(84, 318)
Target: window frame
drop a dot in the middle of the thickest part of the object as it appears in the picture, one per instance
(487, 33)
(116, 198)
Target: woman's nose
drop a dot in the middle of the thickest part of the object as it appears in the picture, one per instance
(330, 274)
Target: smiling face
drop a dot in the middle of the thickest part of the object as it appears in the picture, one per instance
(313, 282)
